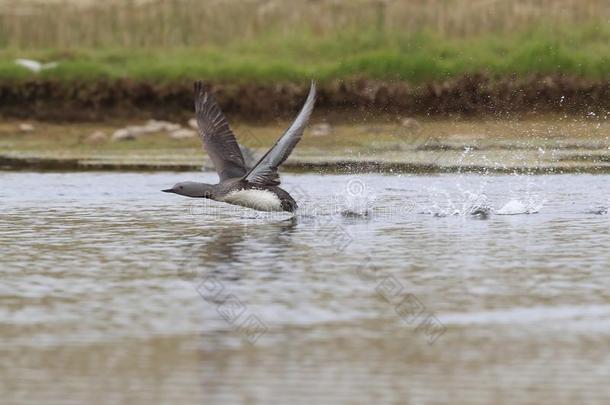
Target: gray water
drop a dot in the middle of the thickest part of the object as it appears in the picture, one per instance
(388, 289)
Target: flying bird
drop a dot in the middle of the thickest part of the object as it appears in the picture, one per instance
(34, 65)
(257, 187)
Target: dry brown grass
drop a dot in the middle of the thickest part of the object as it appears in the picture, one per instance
(171, 23)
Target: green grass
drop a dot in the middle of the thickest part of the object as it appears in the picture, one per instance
(420, 57)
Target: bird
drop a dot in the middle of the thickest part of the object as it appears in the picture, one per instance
(256, 187)
(34, 65)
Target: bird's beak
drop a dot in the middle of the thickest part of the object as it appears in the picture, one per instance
(169, 190)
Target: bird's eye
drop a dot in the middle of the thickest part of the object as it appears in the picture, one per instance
(181, 187)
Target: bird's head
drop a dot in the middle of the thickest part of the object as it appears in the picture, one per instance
(191, 189)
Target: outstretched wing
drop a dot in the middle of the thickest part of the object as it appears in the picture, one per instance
(264, 173)
(218, 139)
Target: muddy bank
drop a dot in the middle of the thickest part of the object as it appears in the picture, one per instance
(347, 166)
(466, 96)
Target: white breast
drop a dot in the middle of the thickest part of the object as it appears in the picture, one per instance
(262, 200)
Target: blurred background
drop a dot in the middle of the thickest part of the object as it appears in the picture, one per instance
(272, 41)
(110, 67)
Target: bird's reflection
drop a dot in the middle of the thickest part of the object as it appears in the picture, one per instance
(229, 250)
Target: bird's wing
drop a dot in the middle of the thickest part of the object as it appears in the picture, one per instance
(50, 65)
(218, 139)
(264, 172)
(29, 64)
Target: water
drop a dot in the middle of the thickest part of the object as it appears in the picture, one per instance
(392, 289)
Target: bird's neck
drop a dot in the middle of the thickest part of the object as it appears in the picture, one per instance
(198, 190)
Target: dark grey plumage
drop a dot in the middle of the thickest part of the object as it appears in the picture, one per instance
(264, 173)
(217, 136)
(235, 180)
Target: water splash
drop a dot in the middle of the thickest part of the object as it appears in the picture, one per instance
(467, 203)
(526, 198)
(357, 199)
(599, 210)
(517, 207)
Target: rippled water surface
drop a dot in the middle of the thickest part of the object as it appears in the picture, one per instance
(387, 289)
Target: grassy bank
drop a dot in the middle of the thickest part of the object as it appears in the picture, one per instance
(583, 51)
(41, 24)
(419, 57)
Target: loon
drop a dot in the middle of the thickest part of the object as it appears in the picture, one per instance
(256, 188)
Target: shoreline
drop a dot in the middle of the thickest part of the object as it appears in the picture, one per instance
(12, 163)
(545, 145)
(471, 95)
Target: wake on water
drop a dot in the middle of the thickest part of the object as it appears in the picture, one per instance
(359, 201)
